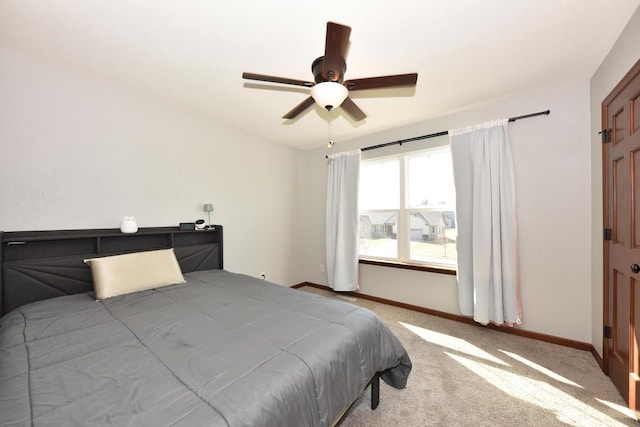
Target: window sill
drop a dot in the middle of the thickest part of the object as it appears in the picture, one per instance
(406, 266)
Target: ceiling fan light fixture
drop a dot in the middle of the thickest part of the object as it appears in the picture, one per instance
(329, 89)
(329, 94)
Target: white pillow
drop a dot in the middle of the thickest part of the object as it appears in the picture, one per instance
(139, 271)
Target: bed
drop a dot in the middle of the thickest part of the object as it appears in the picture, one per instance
(218, 349)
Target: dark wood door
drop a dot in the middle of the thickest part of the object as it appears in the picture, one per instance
(621, 162)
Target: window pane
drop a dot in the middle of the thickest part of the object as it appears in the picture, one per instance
(432, 235)
(430, 180)
(380, 185)
(417, 189)
(379, 234)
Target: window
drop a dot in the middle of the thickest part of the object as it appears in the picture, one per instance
(407, 209)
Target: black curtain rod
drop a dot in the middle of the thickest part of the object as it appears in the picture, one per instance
(433, 135)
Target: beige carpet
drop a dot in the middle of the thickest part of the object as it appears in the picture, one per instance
(466, 375)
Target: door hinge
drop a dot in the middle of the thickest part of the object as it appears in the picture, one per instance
(606, 135)
(608, 234)
(607, 332)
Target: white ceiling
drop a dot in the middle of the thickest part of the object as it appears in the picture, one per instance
(192, 53)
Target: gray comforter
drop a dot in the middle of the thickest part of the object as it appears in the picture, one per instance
(221, 349)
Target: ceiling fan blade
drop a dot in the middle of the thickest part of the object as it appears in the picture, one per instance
(335, 51)
(382, 82)
(273, 79)
(299, 108)
(353, 110)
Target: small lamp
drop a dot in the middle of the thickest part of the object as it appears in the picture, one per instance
(129, 225)
(208, 208)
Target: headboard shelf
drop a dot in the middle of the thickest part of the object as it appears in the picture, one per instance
(43, 264)
(9, 236)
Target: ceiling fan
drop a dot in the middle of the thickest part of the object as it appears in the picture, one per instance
(329, 88)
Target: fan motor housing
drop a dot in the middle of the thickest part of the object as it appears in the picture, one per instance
(337, 75)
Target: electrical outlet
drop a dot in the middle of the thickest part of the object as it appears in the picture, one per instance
(321, 268)
(263, 275)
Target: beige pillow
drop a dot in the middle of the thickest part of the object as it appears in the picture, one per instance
(123, 274)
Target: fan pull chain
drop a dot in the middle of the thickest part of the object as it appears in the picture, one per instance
(330, 144)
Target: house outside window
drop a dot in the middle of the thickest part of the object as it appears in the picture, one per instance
(407, 209)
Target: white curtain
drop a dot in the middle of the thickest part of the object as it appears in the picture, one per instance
(342, 220)
(488, 282)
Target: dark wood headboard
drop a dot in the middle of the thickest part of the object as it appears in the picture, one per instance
(39, 265)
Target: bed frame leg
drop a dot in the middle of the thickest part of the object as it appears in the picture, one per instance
(375, 390)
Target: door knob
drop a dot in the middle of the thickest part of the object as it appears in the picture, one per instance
(635, 268)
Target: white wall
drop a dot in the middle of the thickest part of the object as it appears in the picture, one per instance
(77, 153)
(552, 166)
(624, 54)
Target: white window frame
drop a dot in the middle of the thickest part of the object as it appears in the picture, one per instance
(403, 213)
